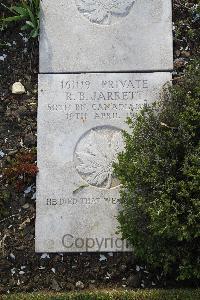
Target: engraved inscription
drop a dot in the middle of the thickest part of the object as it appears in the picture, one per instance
(112, 100)
(95, 153)
(72, 201)
(104, 12)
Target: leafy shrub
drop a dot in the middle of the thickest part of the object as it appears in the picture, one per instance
(27, 12)
(160, 174)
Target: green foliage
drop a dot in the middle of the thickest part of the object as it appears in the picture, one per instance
(26, 12)
(112, 295)
(160, 174)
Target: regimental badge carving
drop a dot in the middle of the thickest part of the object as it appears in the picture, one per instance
(104, 12)
(95, 153)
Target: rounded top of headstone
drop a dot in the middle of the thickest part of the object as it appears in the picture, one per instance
(104, 12)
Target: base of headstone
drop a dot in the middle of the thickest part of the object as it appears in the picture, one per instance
(80, 118)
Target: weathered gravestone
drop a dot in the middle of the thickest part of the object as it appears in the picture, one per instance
(81, 115)
(105, 35)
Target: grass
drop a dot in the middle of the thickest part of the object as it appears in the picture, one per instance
(182, 294)
(27, 12)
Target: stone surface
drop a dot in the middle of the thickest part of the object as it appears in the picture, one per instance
(105, 35)
(18, 88)
(80, 285)
(79, 121)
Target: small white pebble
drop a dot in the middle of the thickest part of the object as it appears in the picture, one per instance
(92, 281)
(13, 271)
(12, 256)
(21, 143)
(18, 88)
(137, 268)
(2, 154)
(108, 276)
(25, 39)
(45, 255)
(102, 258)
(3, 57)
(21, 272)
(80, 285)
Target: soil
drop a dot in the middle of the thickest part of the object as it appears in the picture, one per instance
(21, 268)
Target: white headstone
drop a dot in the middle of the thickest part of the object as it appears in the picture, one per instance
(105, 36)
(80, 118)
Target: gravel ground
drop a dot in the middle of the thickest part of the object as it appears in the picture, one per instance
(20, 268)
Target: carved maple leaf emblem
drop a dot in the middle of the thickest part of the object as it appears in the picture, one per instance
(102, 11)
(95, 156)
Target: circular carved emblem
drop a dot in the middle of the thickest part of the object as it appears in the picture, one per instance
(104, 12)
(95, 153)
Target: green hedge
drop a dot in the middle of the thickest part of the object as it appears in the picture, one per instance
(113, 295)
(160, 173)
